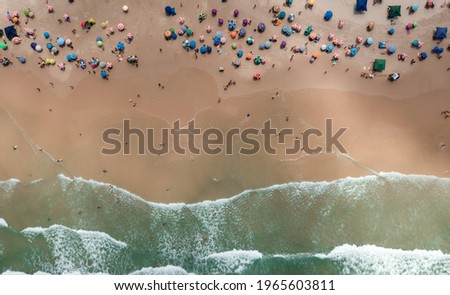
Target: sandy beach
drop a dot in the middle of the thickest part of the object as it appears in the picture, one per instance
(392, 126)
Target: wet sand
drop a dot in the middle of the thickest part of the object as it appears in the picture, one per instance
(391, 126)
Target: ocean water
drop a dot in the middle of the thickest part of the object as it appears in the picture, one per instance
(381, 224)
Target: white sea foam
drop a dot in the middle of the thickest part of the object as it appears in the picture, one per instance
(7, 187)
(3, 223)
(165, 270)
(234, 261)
(369, 259)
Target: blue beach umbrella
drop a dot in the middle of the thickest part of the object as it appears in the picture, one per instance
(120, 46)
(302, 48)
(219, 34)
(82, 64)
(69, 57)
(369, 41)
(423, 55)
(282, 15)
(33, 45)
(22, 60)
(330, 47)
(261, 27)
(415, 43)
(203, 49)
(60, 41)
(391, 31)
(103, 74)
(267, 44)
(170, 11)
(353, 51)
(46, 35)
(242, 32)
(240, 53)
(328, 15)
(99, 39)
(216, 41)
(435, 49)
(192, 44)
(392, 49)
(415, 7)
(73, 56)
(183, 28)
(174, 36)
(261, 45)
(49, 46)
(231, 25)
(208, 49)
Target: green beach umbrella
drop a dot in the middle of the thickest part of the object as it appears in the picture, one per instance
(27, 12)
(257, 60)
(172, 30)
(3, 46)
(188, 32)
(99, 43)
(234, 45)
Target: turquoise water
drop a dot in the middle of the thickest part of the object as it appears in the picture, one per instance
(385, 224)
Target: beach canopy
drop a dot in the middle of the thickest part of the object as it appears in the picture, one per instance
(10, 32)
(361, 5)
(328, 15)
(394, 11)
(441, 33)
(379, 65)
(170, 10)
(392, 49)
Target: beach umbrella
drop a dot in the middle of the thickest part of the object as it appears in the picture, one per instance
(216, 41)
(256, 76)
(82, 64)
(174, 36)
(68, 41)
(312, 36)
(369, 41)
(250, 41)
(240, 53)
(189, 32)
(233, 34)
(214, 12)
(323, 47)
(66, 17)
(185, 43)
(167, 35)
(341, 24)
(201, 38)
(125, 8)
(282, 15)
(267, 44)
(38, 48)
(315, 55)
(3, 46)
(170, 11)
(261, 45)
(52, 61)
(73, 56)
(415, 43)
(68, 57)
(208, 29)
(423, 55)
(54, 50)
(331, 36)
(104, 24)
(60, 41)
(129, 37)
(291, 17)
(245, 22)
(336, 56)
(414, 7)
(220, 22)
(353, 51)
(391, 31)
(49, 46)
(120, 27)
(183, 28)
(180, 32)
(192, 44)
(359, 40)
(46, 35)
(33, 45)
(235, 13)
(223, 40)
(102, 64)
(261, 27)
(242, 32)
(203, 49)
(435, 49)
(392, 49)
(120, 46)
(99, 39)
(109, 65)
(111, 30)
(26, 12)
(274, 38)
(16, 40)
(296, 27)
(249, 56)
(100, 43)
(103, 74)
(231, 25)
(330, 48)
(257, 60)
(302, 48)
(283, 44)
(181, 20)
(219, 34)
(328, 15)
(22, 60)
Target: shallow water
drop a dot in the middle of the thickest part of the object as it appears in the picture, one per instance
(368, 225)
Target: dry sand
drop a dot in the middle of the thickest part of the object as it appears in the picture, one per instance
(391, 126)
